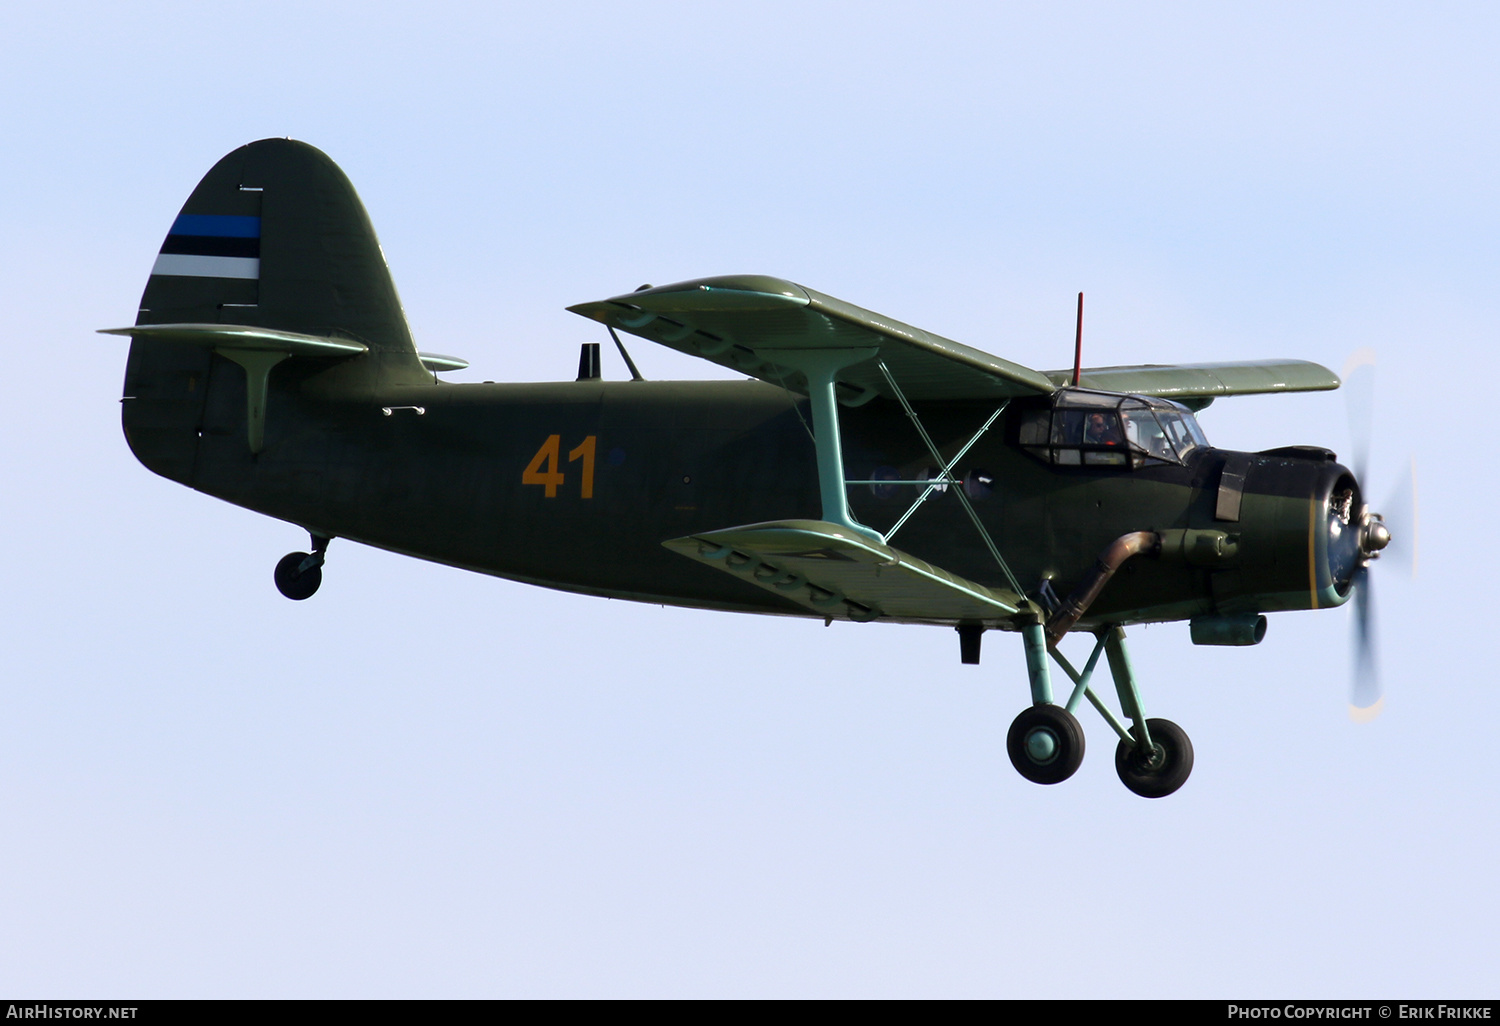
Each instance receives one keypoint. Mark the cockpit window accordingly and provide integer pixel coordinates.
(1145, 432)
(1183, 429)
(1086, 428)
(1102, 429)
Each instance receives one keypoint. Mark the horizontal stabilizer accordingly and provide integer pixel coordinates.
(436, 362)
(837, 573)
(1186, 382)
(270, 340)
(257, 350)
(746, 322)
(242, 337)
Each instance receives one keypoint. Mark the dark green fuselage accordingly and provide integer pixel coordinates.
(677, 458)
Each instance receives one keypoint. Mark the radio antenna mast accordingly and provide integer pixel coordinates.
(1078, 344)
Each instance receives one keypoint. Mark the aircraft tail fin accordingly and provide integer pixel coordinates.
(272, 258)
(274, 236)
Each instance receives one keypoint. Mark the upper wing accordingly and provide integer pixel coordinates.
(738, 322)
(1187, 382)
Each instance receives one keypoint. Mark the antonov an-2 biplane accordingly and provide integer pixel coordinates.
(866, 470)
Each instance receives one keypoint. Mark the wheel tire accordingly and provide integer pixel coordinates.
(1167, 772)
(293, 585)
(1065, 734)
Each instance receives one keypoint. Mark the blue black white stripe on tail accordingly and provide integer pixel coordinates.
(211, 246)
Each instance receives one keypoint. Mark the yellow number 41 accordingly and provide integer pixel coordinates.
(551, 477)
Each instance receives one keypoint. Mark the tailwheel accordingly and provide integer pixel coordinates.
(295, 579)
(1161, 771)
(1045, 744)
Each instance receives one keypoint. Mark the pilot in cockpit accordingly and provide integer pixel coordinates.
(1102, 430)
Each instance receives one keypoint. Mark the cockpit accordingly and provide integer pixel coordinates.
(1086, 428)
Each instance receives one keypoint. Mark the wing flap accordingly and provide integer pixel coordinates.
(834, 572)
(740, 321)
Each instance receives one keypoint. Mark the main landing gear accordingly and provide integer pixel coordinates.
(299, 573)
(1161, 771)
(1045, 743)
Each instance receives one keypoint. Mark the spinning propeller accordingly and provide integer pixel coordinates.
(1392, 534)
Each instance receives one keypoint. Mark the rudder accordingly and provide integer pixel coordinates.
(274, 237)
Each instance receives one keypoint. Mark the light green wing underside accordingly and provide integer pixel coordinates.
(741, 321)
(835, 572)
(738, 322)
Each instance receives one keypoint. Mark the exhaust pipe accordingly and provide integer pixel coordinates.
(1110, 560)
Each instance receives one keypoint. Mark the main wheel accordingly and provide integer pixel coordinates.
(1045, 744)
(1165, 769)
(294, 585)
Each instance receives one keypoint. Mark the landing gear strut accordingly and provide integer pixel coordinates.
(1045, 743)
(298, 574)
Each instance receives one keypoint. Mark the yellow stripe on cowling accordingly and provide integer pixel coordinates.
(1312, 551)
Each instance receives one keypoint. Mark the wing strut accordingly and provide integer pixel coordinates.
(838, 568)
(635, 375)
(821, 366)
(946, 477)
(958, 489)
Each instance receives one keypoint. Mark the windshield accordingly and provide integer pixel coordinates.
(1145, 432)
(1183, 428)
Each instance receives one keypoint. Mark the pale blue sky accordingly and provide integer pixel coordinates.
(429, 783)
